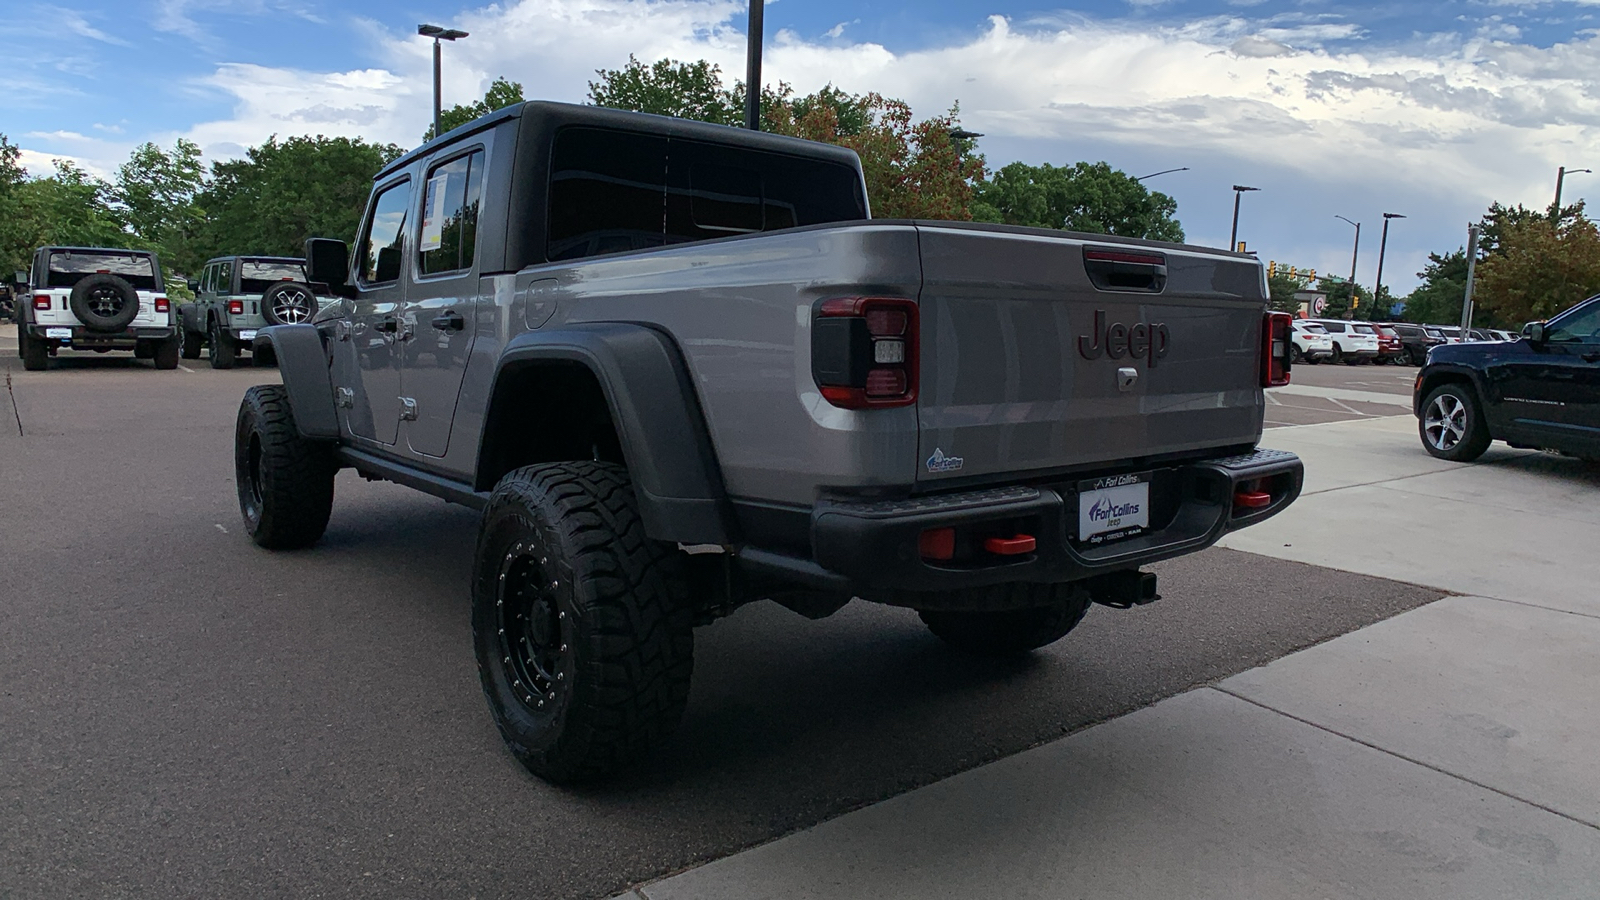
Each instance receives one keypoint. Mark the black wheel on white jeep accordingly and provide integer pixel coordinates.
(285, 481)
(104, 302)
(581, 623)
(219, 347)
(288, 303)
(1052, 611)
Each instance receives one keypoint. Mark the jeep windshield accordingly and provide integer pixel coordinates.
(68, 267)
(256, 275)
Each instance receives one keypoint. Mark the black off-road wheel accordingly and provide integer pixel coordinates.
(104, 302)
(166, 353)
(1452, 424)
(219, 347)
(35, 353)
(193, 343)
(1054, 610)
(582, 625)
(285, 481)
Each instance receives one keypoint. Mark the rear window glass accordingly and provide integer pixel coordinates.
(1362, 329)
(67, 268)
(1313, 328)
(255, 276)
(612, 191)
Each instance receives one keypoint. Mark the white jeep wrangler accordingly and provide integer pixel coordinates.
(94, 298)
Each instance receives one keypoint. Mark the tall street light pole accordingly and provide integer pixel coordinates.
(752, 67)
(1350, 311)
(1233, 237)
(1162, 172)
(1383, 244)
(1561, 175)
(438, 33)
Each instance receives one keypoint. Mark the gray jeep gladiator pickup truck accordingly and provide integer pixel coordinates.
(679, 368)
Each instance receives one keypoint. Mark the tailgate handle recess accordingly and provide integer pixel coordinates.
(1126, 270)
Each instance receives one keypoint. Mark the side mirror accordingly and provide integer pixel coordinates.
(194, 285)
(21, 276)
(1533, 332)
(328, 261)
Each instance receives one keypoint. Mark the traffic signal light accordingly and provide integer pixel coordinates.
(1272, 269)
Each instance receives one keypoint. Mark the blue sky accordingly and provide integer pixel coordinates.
(1429, 109)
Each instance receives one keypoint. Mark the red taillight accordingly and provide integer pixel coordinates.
(1011, 546)
(1275, 338)
(235, 307)
(1252, 499)
(41, 302)
(162, 304)
(864, 352)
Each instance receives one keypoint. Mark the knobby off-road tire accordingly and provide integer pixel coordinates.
(582, 625)
(104, 302)
(193, 342)
(34, 352)
(1059, 609)
(285, 481)
(219, 347)
(166, 355)
(1452, 426)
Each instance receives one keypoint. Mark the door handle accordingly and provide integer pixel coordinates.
(388, 326)
(450, 321)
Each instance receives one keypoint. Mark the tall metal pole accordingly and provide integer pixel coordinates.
(1233, 236)
(1383, 245)
(1472, 271)
(1561, 175)
(752, 68)
(437, 93)
(1355, 251)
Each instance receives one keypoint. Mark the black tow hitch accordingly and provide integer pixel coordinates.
(1124, 590)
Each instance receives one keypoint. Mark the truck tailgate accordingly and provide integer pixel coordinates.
(1047, 352)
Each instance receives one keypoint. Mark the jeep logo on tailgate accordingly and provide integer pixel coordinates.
(1147, 342)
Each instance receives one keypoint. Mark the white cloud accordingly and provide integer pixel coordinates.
(1446, 123)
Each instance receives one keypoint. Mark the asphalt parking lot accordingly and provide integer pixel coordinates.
(183, 714)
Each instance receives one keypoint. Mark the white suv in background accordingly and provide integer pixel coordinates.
(1312, 344)
(1353, 342)
(95, 298)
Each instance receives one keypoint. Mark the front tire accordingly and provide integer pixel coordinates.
(1452, 424)
(1059, 609)
(285, 481)
(581, 623)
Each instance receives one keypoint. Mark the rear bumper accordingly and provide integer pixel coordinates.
(116, 340)
(860, 547)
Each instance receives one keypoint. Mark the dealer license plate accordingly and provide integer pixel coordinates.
(58, 333)
(1114, 507)
(249, 334)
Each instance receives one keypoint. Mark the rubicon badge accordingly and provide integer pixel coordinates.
(938, 462)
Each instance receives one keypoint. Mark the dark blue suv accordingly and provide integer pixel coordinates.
(1541, 392)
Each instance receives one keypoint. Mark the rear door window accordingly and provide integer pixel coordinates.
(67, 267)
(223, 283)
(449, 234)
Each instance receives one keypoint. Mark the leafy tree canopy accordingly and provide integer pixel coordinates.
(1539, 267)
(281, 193)
(69, 207)
(1090, 197)
(1437, 300)
(501, 93)
(156, 191)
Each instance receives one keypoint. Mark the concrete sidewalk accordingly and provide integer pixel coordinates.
(1447, 752)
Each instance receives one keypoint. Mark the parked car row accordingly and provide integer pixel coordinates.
(1355, 342)
(105, 299)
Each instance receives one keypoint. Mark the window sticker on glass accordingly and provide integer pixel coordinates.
(433, 216)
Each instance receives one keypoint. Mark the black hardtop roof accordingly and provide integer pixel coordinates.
(556, 115)
(120, 250)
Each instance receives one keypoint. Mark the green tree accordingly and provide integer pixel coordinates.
(14, 251)
(281, 193)
(1281, 288)
(669, 88)
(1339, 299)
(1437, 300)
(70, 207)
(1539, 268)
(501, 93)
(156, 191)
(1091, 197)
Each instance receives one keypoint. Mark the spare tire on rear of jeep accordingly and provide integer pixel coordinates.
(288, 303)
(104, 302)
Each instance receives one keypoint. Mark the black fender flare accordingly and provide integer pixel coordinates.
(303, 364)
(657, 415)
(1433, 375)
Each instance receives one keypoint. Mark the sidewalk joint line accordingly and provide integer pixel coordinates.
(1413, 760)
(1570, 612)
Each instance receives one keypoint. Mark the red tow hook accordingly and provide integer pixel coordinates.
(1011, 546)
(1252, 499)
